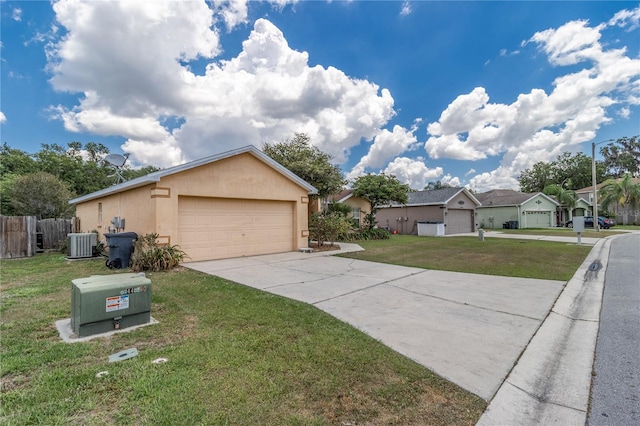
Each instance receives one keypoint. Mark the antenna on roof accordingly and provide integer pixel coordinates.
(117, 162)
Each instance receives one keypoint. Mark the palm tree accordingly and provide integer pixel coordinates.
(566, 197)
(623, 192)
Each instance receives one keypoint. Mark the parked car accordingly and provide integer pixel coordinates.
(603, 222)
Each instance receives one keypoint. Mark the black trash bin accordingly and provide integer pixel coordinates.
(513, 224)
(120, 249)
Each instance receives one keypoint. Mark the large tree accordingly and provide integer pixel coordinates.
(624, 192)
(40, 194)
(81, 167)
(307, 162)
(379, 190)
(15, 162)
(622, 156)
(430, 186)
(570, 171)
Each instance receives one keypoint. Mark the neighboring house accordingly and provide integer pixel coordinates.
(237, 203)
(582, 208)
(454, 207)
(632, 212)
(360, 207)
(507, 208)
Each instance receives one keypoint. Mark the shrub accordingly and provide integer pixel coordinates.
(148, 255)
(367, 234)
(327, 227)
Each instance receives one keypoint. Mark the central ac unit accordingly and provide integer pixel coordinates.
(81, 245)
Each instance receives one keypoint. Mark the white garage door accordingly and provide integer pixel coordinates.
(459, 221)
(537, 219)
(218, 228)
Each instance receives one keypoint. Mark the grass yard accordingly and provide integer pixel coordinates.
(493, 256)
(236, 356)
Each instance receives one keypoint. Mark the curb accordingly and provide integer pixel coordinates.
(551, 382)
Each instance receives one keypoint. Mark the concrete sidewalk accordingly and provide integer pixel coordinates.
(558, 238)
(551, 382)
(468, 328)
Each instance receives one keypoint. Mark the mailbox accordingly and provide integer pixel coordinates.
(102, 303)
(578, 224)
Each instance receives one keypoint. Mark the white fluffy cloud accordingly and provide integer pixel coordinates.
(538, 126)
(386, 145)
(138, 79)
(130, 63)
(413, 172)
(16, 14)
(3, 118)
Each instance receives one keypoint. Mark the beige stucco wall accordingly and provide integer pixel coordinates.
(154, 208)
(242, 176)
(360, 203)
(455, 202)
(135, 206)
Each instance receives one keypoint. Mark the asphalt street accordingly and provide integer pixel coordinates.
(615, 394)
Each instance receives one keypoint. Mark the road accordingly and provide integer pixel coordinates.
(615, 391)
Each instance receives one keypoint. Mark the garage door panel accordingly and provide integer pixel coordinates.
(538, 219)
(215, 228)
(459, 221)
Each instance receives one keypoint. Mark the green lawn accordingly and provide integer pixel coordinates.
(236, 356)
(493, 256)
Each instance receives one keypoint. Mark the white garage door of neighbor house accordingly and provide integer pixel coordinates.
(459, 221)
(536, 219)
(219, 228)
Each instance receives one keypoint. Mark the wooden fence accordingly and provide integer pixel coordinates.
(18, 236)
(54, 232)
(23, 236)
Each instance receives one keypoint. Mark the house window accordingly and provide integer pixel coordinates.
(355, 213)
(100, 213)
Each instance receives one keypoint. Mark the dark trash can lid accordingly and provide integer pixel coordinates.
(130, 235)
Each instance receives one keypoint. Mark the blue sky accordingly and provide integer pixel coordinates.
(468, 93)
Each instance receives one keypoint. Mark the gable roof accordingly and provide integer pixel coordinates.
(598, 186)
(508, 197)
(434, 197)
(341, 196)
(156, 176)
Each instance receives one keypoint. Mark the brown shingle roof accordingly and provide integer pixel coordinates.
(503, 197)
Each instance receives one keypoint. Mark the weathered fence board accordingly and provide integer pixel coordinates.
(18, 236)
(54, 232)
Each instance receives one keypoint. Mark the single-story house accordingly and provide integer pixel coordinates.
(453, 207)
(582, 208)
(507, 208)
(237, 203)
(360, 207)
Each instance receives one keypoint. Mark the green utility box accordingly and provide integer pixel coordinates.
(102, 303)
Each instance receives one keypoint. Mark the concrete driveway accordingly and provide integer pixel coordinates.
(468, 328)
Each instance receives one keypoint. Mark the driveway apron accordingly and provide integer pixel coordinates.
(468, 328)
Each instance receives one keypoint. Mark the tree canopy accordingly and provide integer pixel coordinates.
(40, 194)
(379, 190)
(570, 171)
(573, 171)
(307, 162)
(430, 186)
(622, 157)
(79, 167)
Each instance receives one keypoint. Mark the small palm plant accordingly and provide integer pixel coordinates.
(148, 255)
